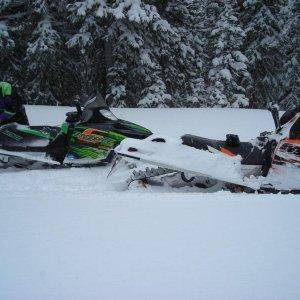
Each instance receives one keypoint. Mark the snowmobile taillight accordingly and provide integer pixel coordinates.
(159, 140)
(131, 149)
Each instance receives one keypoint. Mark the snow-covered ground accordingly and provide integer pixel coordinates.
(73, 234)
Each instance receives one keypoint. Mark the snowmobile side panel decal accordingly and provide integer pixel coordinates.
(92, 131)
(89, 152)
(88, 138)
(107, 143)
(12, 135)
(35, 133)
(96, 138)
(116, 136)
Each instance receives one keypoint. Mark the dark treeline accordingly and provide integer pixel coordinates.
(176, 53)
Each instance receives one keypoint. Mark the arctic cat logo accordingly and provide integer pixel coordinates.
(13, 135)
(88, 138)
(96, 138)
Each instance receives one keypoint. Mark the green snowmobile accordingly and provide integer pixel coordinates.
(86, 138)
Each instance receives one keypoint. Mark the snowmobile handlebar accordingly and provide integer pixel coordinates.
(78, 108)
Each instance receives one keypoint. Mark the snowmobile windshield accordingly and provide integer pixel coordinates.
(96, 111)
(108, 114)
(91, 107)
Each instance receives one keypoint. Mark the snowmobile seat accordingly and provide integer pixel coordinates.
(252, 155)
(15, 137)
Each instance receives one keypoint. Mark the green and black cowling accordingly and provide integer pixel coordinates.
(86, 137)
(97, 140)
(96, 133)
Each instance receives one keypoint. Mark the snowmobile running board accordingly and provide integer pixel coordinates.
(155, 172)
(149, 173)
(10, 159)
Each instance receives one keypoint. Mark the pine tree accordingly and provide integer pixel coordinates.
(152, 53)
(228, 74)
(262, 47)
(7, 45)
(290, 73)
(185, 17)
(12, 40)
(48, 70)
(6, 41)
(42, 56)
(130, 35)
(88, 43)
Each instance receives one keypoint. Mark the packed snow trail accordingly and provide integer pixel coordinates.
(74, 234)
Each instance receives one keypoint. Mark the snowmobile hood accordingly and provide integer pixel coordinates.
(131, 130)
(96, 111)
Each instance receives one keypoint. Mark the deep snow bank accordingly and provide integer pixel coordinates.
(213, 123)
(109, 245)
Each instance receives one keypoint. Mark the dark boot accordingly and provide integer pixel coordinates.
(58, 148)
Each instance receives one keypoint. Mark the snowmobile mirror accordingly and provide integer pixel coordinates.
(78, 108)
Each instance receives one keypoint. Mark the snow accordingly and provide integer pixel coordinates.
(73, 234)
(5, 40)
(3, 30)
(47, 38)
(240, 56)
(225, 73)
(213, 123)
(83, 38)
(241, 99)
(173, 155)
